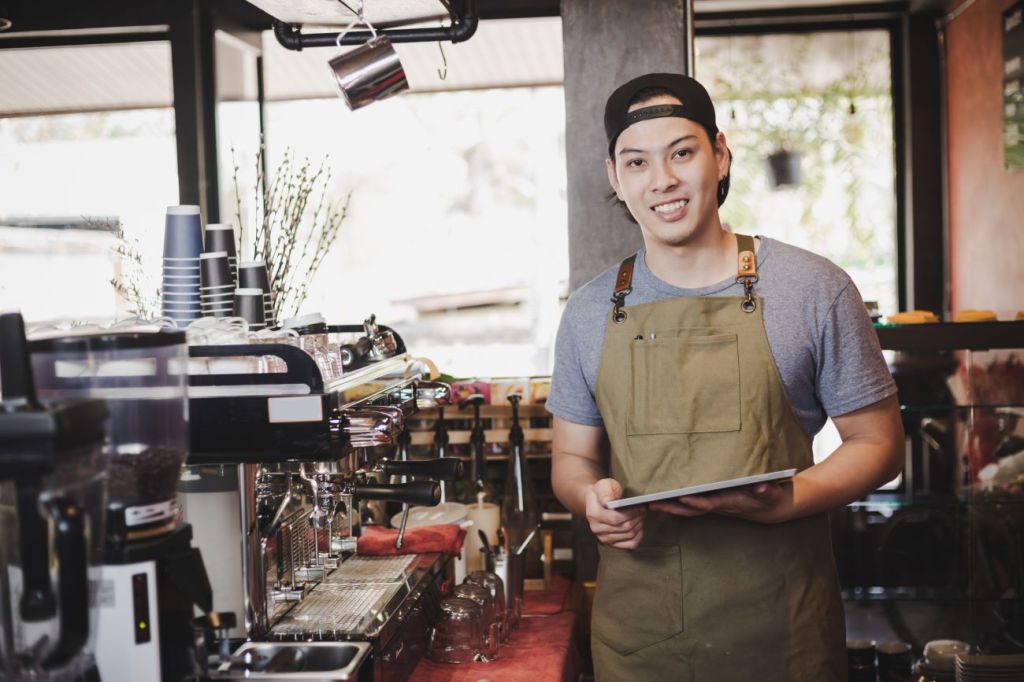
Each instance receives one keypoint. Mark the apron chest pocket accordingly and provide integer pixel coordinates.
(685, 381)
(639, 600)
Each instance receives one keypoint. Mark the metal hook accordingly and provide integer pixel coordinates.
(444, 60)
(360, 19)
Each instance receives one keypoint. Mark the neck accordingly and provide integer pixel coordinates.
(704, 261)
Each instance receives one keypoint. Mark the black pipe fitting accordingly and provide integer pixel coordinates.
(461, 30)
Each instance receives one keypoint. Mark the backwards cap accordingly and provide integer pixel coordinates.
(695, 105)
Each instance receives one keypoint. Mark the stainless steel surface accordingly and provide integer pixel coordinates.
(321, 661)
(367, 74)
(431, 394)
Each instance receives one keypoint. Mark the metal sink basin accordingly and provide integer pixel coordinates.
(319, 661)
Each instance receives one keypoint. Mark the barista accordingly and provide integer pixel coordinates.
(718, 356)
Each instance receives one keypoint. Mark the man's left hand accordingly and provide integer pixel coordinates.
(754, 503)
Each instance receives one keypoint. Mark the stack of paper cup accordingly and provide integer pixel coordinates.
(221, 237)
(216, 289)
(183, 242)
(248, 304)
(253, 275)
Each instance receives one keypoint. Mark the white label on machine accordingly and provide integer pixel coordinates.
(151, 513)
(290, 410)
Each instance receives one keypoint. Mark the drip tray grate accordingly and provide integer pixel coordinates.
(370, 569)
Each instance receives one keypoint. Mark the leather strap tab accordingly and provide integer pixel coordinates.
(624, 280)
(746, 260)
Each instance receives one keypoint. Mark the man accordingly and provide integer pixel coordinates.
(718, 356)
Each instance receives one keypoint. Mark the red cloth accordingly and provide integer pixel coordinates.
(441, 537)
(541, 649)
(547, 602)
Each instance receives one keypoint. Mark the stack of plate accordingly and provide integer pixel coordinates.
(183, 242)
(989, 668)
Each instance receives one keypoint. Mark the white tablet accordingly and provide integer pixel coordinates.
(704, 488)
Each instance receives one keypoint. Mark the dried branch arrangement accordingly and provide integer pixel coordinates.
(128, 278)
(295, 225)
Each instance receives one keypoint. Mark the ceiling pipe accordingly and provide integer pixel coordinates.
(462, 29)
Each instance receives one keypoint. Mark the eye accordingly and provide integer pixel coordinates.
(635, 163)
(682, 153)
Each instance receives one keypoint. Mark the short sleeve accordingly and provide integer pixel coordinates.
(851, 369)
(571, 397)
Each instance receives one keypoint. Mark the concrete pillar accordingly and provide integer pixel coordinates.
(607, 42)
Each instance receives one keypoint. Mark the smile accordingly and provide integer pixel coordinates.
(671, 206)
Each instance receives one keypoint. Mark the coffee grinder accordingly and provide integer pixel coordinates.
(151, 576)
(52, 489)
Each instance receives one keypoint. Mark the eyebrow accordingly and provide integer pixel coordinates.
(671, 144)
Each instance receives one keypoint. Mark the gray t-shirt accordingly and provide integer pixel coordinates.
(818, 330)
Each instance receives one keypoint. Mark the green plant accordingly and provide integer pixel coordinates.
(128, 278)
(295, 225)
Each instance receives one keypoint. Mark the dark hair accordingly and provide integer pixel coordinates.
(646, 95)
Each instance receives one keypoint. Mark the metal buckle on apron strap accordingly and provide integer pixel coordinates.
(746, 271)
(619, 299)
(749, 303)
(623, 288)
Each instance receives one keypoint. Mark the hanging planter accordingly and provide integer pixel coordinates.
(783, 166)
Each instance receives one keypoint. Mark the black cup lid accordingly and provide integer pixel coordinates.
(107, 340)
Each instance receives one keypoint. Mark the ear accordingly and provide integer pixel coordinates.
(613, 178)
(721, 154)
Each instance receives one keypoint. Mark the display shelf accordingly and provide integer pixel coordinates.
(951, 336)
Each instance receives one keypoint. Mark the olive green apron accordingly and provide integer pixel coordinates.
(690, 394)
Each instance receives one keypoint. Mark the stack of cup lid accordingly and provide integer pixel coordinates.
(183, 243)
(248, 304)
(216, 287)
(253, 275)
(221, 237)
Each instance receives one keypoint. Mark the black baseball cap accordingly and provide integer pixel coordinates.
(695, 104)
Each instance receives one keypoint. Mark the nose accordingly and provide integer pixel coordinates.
(663, 178)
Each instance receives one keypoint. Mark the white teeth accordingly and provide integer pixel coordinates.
(674, 206)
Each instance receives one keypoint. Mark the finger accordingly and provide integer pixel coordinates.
(612, 538)
(677, 509)
(597, 510)
(631, 525)
(628, 544)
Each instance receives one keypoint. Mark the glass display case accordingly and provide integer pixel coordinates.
(940, 555)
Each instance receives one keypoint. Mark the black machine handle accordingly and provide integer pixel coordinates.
(16, 384)
(424, 493)
(72, 559)
(440, 467)
(37, 600)
(516, 436)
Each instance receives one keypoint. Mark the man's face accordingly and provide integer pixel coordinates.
(666, 171)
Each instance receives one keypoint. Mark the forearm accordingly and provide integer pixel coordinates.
(854, 469)
(571, 476)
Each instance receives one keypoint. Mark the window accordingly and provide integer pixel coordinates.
(83, 149)
(825, 99)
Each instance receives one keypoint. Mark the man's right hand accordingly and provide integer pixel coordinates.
(622, 529)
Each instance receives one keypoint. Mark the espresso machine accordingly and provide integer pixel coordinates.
(52, 490)
(284, 470)
(151, 577)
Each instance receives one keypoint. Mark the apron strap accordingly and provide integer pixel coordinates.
(746, 270)
(623, 288)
